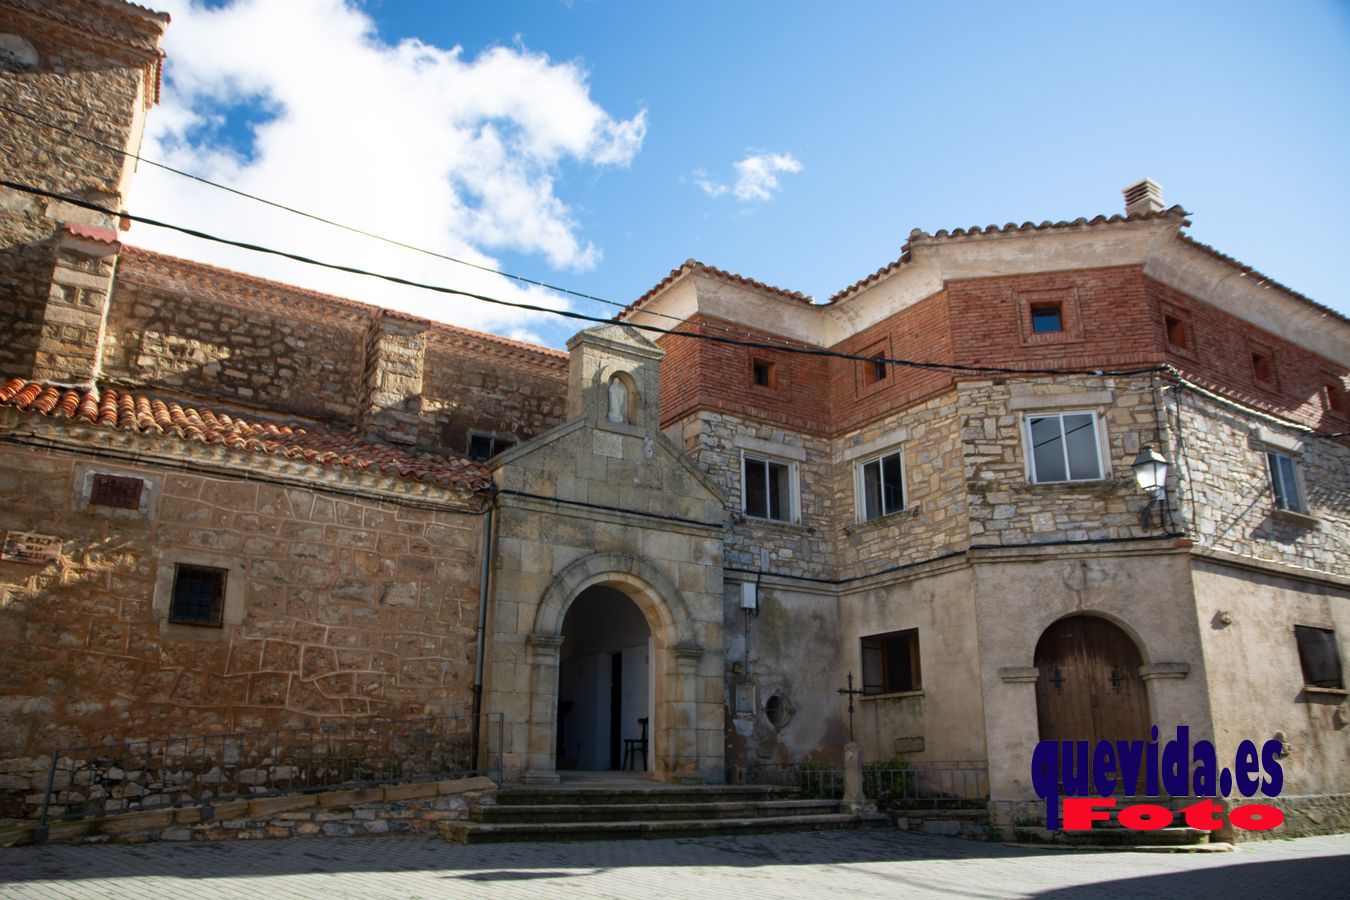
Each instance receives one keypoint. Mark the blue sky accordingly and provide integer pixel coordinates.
(874, 118)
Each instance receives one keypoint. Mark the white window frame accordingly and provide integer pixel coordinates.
(1098, 441)
(860, 491)
(794, 498)
(1278, 483)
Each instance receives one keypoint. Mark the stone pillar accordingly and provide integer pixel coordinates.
(855, 798)
(541, 738)
(395, 356)
(683, 734)
(70, 338)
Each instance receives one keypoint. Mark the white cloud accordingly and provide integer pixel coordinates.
(407, 140)
(756, 177)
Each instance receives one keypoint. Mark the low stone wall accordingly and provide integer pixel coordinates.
(392, 809)
(1304, 816)
(966, 823)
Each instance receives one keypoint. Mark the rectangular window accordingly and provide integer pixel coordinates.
(198, 595)
(1284, 482)
(1319, 656)
(764, 373)
(767, 489)
(484, 446)
(1263, 366)
(116, 491)
(1336, 398)
(874, 370)
(1046, 318)
(1178, 332)
(881, 486)
(890, 662)
(1064, 447)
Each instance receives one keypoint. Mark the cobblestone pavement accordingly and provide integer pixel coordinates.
(880, 863)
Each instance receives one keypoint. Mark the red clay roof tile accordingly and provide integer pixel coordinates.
(134, 412)
(693, 265)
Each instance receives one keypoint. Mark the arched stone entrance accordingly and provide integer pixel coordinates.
(604, 684)
(675, 656)
(1088, 685)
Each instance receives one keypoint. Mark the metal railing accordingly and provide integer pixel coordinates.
(951, 785)
(117, 777)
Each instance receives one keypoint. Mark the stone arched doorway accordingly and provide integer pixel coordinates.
(673, 665)
(1088, 686)
(604, 684)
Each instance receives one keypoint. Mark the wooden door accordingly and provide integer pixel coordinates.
(1088, 688)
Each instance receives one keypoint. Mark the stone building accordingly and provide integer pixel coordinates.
(233, 504)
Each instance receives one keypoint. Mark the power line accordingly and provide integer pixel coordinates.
(567, 313)
(47, 123)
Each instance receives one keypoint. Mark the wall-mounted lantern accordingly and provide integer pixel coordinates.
(1150, 472)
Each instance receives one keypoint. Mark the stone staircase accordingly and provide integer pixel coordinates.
(615, 812)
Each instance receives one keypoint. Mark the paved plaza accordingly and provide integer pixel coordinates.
(880, 863)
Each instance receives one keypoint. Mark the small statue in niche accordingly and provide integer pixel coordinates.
(618, 400)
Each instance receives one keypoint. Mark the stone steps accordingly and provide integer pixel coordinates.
(637, 812)
(490, 832)
(584, 813)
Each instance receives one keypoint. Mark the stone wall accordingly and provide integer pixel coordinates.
(184, 327)
(337, 606)
(1006, 507)
(1224, 485)
(487, 386)
(415, 807)
(92, 73)
(934, 520)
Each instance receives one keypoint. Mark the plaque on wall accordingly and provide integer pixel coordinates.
(24, 546)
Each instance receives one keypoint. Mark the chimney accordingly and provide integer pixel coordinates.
(1143, 197)
(395, 355)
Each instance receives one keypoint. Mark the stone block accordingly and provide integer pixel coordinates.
(396, 792)
(330, 799)
(269, 806)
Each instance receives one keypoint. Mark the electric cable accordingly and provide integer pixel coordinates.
(573, 314)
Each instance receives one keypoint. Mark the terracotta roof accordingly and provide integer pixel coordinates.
(919, 236)
(693, 265)
(134, 412)
(91, 232)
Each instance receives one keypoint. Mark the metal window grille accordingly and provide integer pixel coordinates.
(198, 595)
(117, 491)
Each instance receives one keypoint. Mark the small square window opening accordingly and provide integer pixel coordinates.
(1047, 318)
(1263, 366)
(483, 446)
(1336, 398)
(198, 596)
(1319, 656)
(116, 491)
(1178, 332)
(874, 370)
(890, 662)
(764, 373)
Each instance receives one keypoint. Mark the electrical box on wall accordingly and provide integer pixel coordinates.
(749, 596)
(745, 699)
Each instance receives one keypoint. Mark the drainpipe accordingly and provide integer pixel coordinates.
(483, 576)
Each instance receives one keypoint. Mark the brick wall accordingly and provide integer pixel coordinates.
(705, 374)
(1220, 355)
(351, 607)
